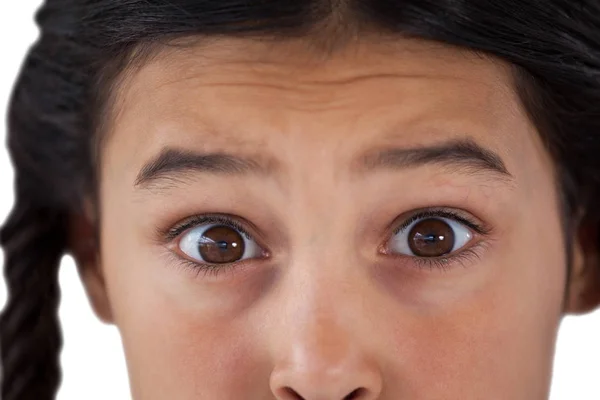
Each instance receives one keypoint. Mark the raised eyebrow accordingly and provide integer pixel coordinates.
(172, 162)
(459, 153)
(465, 154)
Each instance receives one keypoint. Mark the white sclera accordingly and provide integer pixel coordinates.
(191, 240)
(462, 236)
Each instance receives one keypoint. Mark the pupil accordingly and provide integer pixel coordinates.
(221, 245)
(431, 238)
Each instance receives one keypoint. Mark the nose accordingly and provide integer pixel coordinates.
(325, 363)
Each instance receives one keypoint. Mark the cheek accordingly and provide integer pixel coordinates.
(536, 264)
(499, 340)
(172, 354)
(177, 343)
(500, 337)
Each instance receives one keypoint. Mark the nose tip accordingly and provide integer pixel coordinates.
(318, 378)
(297, 388)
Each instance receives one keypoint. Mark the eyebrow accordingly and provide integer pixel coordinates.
(460, 153)
(173, 163)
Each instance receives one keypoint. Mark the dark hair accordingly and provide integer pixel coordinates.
(62, 95)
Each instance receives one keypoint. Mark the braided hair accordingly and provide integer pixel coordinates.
(61, 102)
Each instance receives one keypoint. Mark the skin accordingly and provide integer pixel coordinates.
(327, 311)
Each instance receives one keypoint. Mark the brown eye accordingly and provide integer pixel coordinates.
(218, 244)
(431, 237)
(221, 244)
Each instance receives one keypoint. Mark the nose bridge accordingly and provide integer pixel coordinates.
(317, 175)
(321, 343)
(323, 351)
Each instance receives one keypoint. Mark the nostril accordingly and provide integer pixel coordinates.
(356, 394)
(292, 394)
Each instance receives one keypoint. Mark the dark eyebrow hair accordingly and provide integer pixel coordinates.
(462, 153)
(171, 162)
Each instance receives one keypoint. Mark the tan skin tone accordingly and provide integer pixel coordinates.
(325, 302)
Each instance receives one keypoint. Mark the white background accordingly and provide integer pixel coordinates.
(92, 359)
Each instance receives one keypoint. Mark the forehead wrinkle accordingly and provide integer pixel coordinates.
(224, 135)
(252, 56)
(283, 80)
(189, 53)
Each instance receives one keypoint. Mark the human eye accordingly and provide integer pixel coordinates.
(436, 237)
(214, 243)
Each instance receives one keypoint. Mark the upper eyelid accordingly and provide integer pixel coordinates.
(472, 223)
(197, 220)
(247, 228)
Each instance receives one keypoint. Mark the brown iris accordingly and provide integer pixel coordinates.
(431, 238)
(221, 245)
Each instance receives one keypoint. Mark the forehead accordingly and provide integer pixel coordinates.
(263, 95)
(294, 72)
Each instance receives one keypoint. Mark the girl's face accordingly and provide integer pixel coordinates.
(381, 223)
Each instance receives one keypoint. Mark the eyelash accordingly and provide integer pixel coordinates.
(192, 222)
(203, 219)
(461, 257)
(443, 213)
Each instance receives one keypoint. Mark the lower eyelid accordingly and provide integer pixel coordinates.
(200, 270)
(462, 258)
